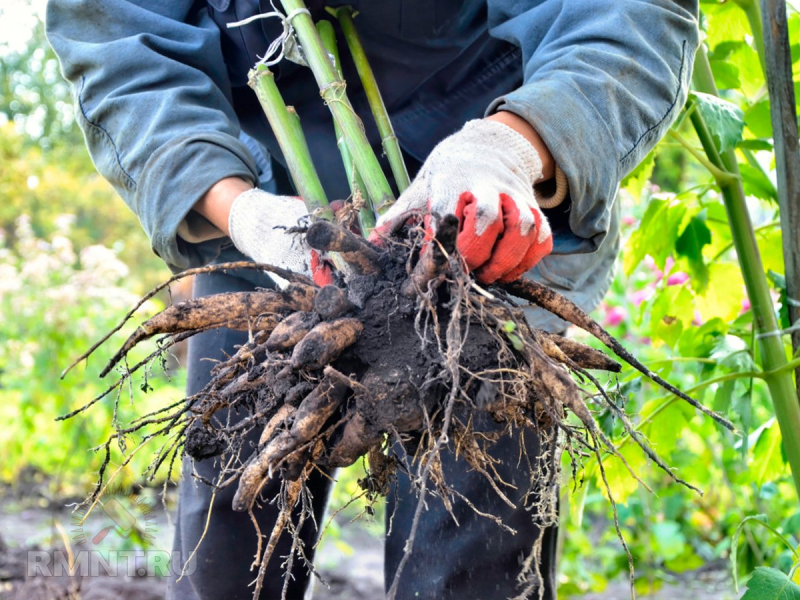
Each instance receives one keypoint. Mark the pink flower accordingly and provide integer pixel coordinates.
(677, 278)
(640, 296)
(698, 319)
(745, 306)
(629, 220)
(614, 316)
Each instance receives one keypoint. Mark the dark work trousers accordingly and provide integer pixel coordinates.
(475, 559)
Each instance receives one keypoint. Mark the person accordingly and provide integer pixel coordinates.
(490, 99)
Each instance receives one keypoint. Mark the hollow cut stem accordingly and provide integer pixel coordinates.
(332, 90)
(289, 133)
(366, 216)
(389, 141)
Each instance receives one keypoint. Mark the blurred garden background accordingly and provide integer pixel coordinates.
(73, 260)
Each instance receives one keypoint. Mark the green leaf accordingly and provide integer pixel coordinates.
(656, 234)
(726, 22)
(756, 145)
(620, 481)
(770, 245)
(669, 540)
(756, 183)
(726, 75)
(724, 119)
(690, 245)
(635, 181)
(758, 119)
(778, 282)
(723, 297)
(701, 341)
(767, 583)
(664, 432)
(745, 58)
(733, 354)
(672, 311)
(767, 464)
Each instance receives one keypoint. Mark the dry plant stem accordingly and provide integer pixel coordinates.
(389, 141)
(366, 216)
(220, 268)
(332, 90)
(293, 143)
(566, 309)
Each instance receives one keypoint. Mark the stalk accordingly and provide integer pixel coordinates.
(779, 379)
(787, 157)
(289, 133)
(389, 142)
(332, 90)
(366, 216)
(752, 10)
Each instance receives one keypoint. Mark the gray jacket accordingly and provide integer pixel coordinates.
(161, 96)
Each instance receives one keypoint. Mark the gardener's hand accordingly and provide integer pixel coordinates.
(257, 225)
(484, 174)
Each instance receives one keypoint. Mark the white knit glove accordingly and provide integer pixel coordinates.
(258, 222)
(484, 174)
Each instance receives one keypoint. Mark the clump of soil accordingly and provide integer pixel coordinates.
(404, 346)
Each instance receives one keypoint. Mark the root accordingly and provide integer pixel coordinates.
(408, 351)
(563, 307)
(357, 252)
(220, 268)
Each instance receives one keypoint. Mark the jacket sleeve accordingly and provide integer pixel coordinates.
(603, 82)
(153, 101)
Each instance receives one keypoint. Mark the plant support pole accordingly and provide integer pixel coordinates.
(289, 133)
(779, 381)
(389, 141)
(332, 90)
(787, 150)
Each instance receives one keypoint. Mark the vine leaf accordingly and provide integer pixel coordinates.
(690, 245)
(724, 119)
(656, 234)
(770, 584)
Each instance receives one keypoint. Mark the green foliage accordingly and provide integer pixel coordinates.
(725, 119)
(684, 310)
(770, 584)
(54, 303)
(678, 303)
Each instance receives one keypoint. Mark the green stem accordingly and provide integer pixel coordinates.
(752, 9)
(332, 90)
(389, 141)
(366, 216)
(718, 173)
(779, 380)
(759, 229)
(735, 544)
(293, 143)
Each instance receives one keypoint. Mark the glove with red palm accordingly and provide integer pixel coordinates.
(484, 174)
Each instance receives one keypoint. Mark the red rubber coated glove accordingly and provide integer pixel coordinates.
(484, 174)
